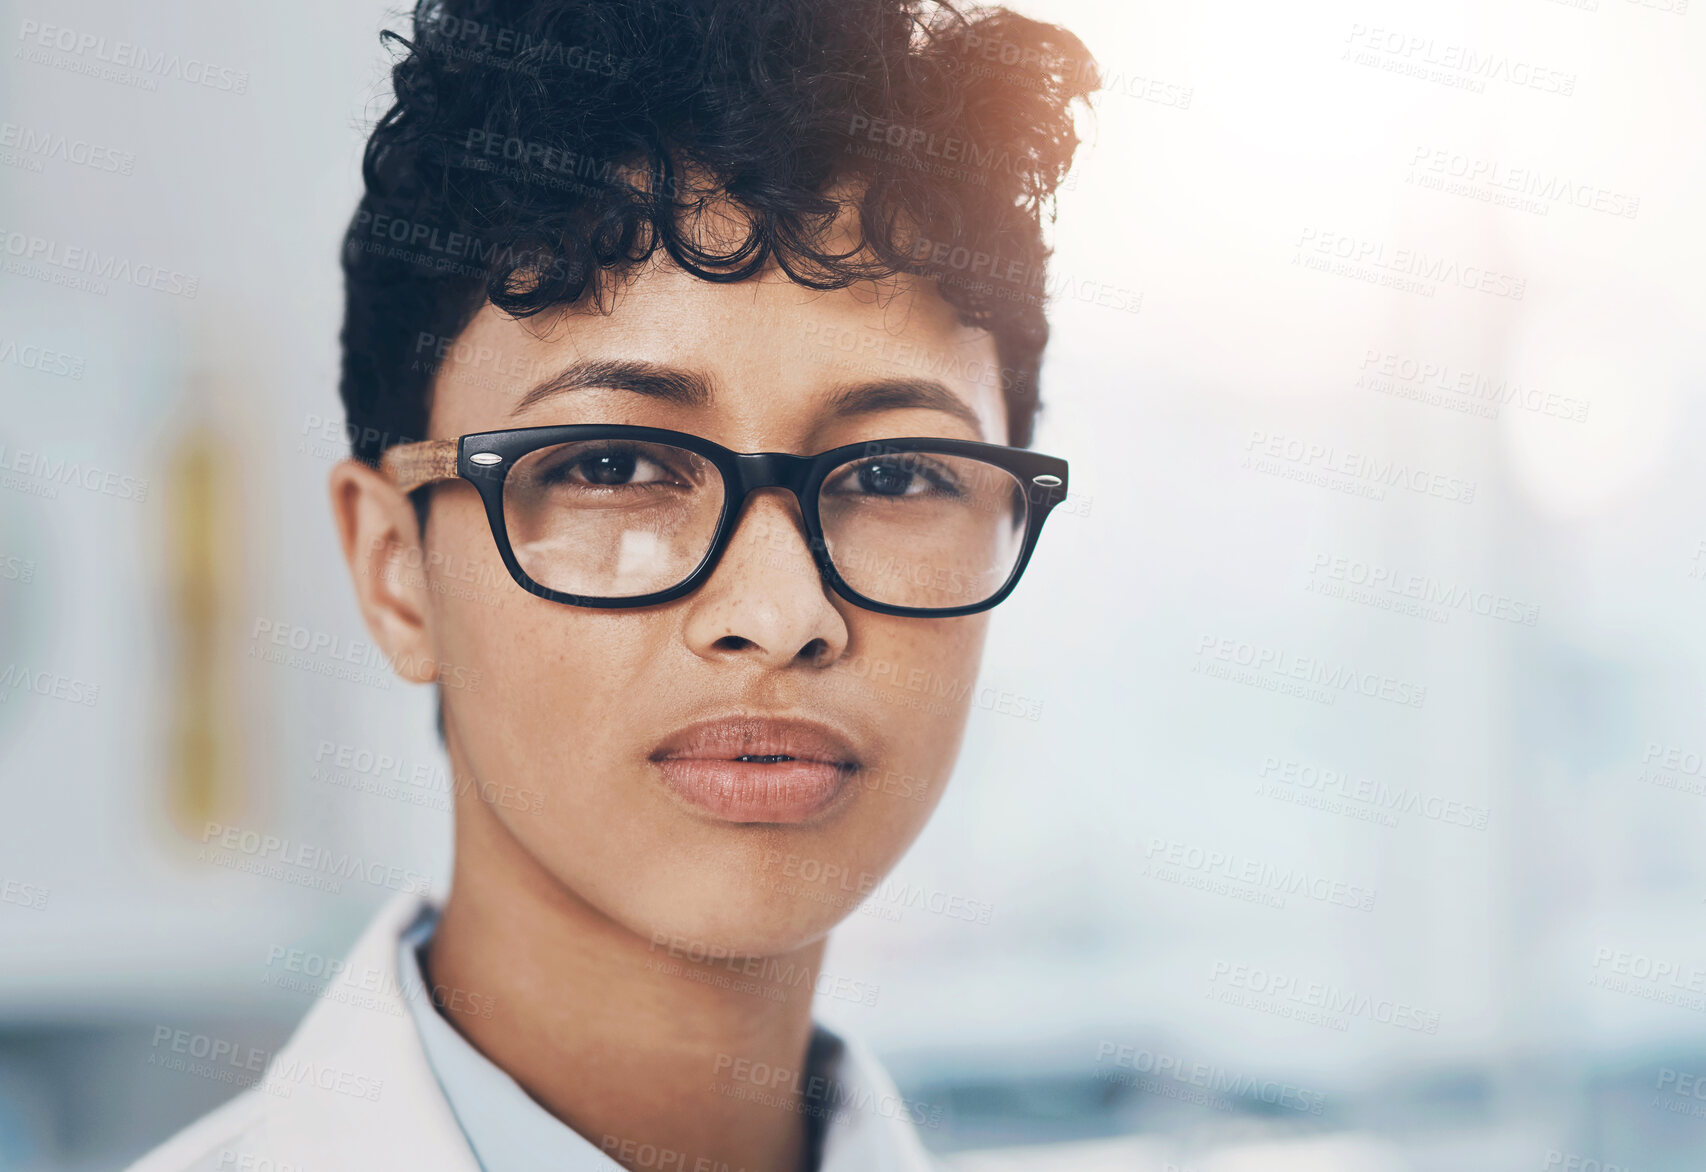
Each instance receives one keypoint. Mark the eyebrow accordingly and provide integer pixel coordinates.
(688, 388)
(894, 394)
(669, 383)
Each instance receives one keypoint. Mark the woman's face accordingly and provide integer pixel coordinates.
(644, 810)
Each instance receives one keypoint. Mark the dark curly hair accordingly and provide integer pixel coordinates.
(537, 147)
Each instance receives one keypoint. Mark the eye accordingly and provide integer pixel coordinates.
(884, 478)
(902, 475)
(608, 468)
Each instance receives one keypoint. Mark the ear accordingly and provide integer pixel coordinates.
(376, 526)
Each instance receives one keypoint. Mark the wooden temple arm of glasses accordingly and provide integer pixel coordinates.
(409, 466)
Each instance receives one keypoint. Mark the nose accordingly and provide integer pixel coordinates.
(766, 602)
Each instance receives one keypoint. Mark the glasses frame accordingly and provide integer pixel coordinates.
(485, 458)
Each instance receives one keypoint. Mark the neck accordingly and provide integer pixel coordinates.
(627, 1042)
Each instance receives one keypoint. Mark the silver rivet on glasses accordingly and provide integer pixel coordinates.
(1046, 480)
(489, 458)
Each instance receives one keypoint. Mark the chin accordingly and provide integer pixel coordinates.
(731, 913)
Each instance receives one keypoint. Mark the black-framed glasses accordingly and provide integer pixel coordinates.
(608, 515)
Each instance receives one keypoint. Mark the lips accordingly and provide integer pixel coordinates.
(753, 769)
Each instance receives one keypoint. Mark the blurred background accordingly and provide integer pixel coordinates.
(1362, 672)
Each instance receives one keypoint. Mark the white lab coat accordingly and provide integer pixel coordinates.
(352, 1091)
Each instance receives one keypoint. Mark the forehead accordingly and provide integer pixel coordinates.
(776, 354)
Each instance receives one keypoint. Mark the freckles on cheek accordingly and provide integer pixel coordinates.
(557, 668)
(481, 634)
(947, 649)
(917, 677)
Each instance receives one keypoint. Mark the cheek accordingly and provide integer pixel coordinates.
(547, 679)
(921, 674)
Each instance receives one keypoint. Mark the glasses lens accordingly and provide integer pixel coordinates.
(611, 518)
(923, 529)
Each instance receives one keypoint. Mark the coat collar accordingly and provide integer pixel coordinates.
(361, 1092)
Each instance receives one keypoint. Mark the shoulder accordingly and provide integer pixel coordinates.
(319, 1103)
